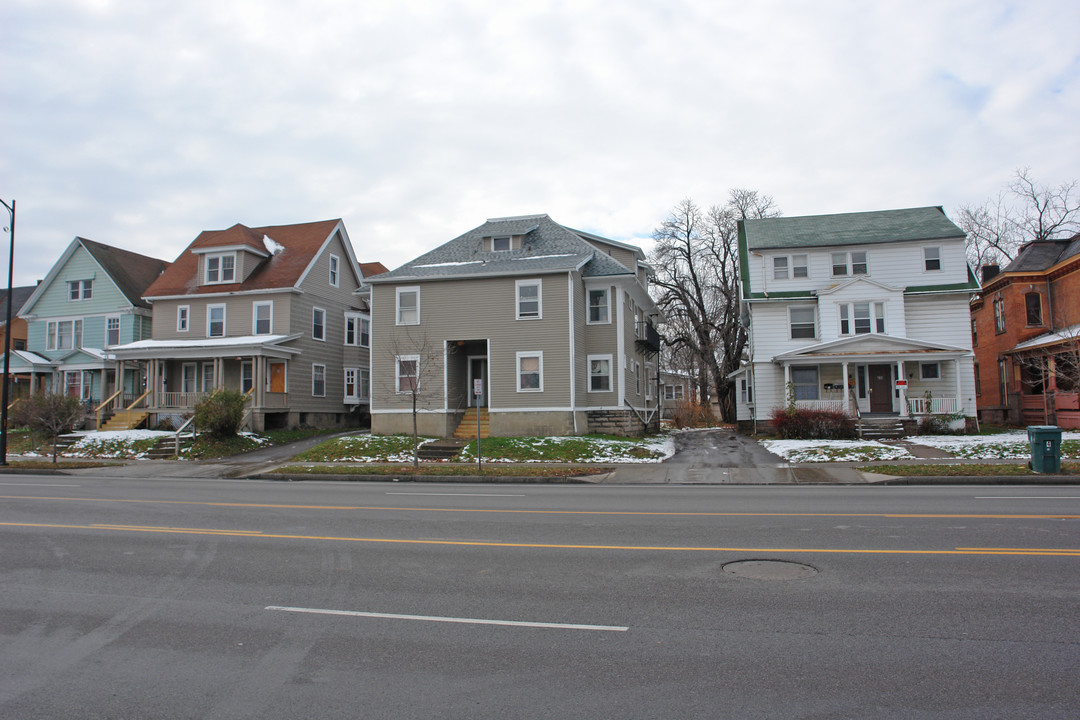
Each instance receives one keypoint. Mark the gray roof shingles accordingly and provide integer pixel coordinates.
(546, 247)
(1043, 254)
(862, 228)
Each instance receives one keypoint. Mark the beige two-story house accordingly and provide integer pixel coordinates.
(274, 312)
(545, 330)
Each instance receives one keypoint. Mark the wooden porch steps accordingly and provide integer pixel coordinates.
(466, 429)
(125, 420)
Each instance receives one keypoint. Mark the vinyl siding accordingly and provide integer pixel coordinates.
(480, 309)
(239, 315)
(54, 301)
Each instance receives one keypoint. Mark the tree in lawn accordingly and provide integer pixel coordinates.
(51, 415)
(417, 362)
(696, 258)
(1024, 211)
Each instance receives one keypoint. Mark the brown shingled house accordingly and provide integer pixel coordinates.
(276, 312)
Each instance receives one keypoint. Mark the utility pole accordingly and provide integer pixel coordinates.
(7, 339)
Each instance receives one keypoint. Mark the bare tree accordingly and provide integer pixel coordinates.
(52, 415)
(697, 276)
(417, 362)
(1023, 212)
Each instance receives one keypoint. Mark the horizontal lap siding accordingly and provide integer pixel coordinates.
(239, 315)
(54, 301)
(480, 309)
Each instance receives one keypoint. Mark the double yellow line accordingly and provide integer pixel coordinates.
(1045, 552)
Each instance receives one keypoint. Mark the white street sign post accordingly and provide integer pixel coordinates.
(478, 391)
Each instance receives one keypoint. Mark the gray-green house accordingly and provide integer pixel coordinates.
(90, 301)
(544, 329)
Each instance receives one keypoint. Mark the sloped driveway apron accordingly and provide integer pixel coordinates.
(720, 457)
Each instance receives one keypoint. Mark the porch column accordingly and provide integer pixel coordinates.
(959, 386)
(900, 375)
(787, 383)
(847, 395)
(218, 379)
(258, 379)
(152, 383)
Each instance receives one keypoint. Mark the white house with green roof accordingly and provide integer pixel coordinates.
(866, 313)
(536, 328)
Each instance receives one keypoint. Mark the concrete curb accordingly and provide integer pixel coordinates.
(488, 479)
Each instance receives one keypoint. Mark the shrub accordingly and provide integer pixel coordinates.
(938, 425)
(52, 415)
(800, 424)
(220, 415)
(690, 414)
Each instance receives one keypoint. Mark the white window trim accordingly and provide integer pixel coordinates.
(802, 307)
(360, 332)
(352, 318)
(397, 313)
(849, 263)
(194, 377)
(323, 367)
(255, 316)
(588, 306)
(220, 280)
(610, 375)
(937, 364)
(398, 375)
(539, 354)
(365, 384)
(874, 306)
(539, 285)
(247, 364)
(119, 329)
(183, 318)
(926, 259)
(315, 310)
(356, 383)
(334, 275)
(509, 243)
(83, 286)
(224, 319)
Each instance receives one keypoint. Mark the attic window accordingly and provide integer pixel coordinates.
(500, 244)
(221, 268)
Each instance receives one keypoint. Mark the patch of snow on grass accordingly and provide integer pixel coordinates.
(807, 451)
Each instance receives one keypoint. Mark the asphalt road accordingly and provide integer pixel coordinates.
(165, 598)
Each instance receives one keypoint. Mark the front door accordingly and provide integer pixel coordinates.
(478, 371)
(277, 377)
(881, 390)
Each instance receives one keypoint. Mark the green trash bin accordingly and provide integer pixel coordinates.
(1045, 441)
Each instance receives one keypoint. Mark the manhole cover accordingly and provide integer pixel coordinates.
(769, 570)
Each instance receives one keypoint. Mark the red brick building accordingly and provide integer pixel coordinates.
(1025, 331)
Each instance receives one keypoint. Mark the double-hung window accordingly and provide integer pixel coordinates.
(318, 324)
(804, 380)
(183, 312)
(335, 264)
(408, 373)
(999, 314)
(247, 376)
(803, 322)
(599, 373)
(112, 331)
(1033, 308)
(215, 321)
(931, 258)
(262, 317)
(930, 371)
(862, 318)
(408, 306)
(849, 263)
(530, 371)
(599, 307)
(63, 335)
(80, 289)
(529, 300)
(318, 380)
(357, 330)
(221, 268)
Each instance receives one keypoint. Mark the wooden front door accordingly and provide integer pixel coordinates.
(277, 377)
(881, 390)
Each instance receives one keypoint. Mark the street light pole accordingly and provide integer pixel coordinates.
(7, 339)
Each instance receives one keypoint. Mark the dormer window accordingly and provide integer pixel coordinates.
(500, 244)
(221, 268)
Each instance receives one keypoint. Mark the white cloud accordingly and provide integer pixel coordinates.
(140, 124)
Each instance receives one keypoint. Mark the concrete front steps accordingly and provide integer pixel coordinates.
(466, 429)
(881, 427)
(445, 449)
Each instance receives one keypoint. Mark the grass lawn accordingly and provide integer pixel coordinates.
(364, 448)
(962, 469)
(441, 469)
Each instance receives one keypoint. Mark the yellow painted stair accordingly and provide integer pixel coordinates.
(125, 420)
(466, 429)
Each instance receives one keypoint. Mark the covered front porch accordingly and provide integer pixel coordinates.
(877, 375)
(181, 374)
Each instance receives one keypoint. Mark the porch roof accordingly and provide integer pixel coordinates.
(267, 345)
(871, 347)
(1069, 334)
(26, 361)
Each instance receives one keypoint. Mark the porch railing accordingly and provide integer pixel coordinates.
(182, 399)
(837, 405)
(933, 406)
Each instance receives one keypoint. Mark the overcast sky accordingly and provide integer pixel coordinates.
(140, 123)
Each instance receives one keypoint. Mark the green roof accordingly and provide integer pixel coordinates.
(864, 228)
